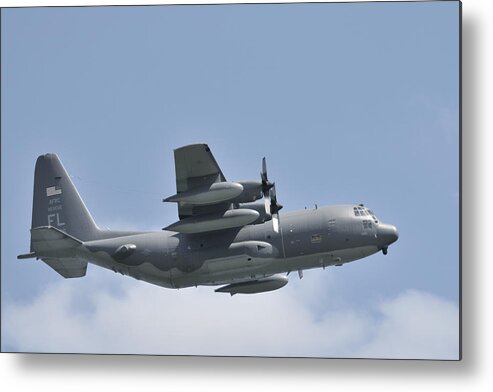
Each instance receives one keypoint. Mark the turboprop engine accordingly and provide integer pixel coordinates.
(236, 192)
(264, 216)
(237, 210)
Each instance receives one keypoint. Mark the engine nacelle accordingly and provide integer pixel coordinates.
(216, 193)
(212, 222)
(260, 208)
(252, 190)
(236, 192)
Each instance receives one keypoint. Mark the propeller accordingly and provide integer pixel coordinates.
(272, 207)
(266, 186)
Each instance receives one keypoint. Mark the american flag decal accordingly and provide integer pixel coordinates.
(53, 190)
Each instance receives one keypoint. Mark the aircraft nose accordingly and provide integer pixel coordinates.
(387, 234)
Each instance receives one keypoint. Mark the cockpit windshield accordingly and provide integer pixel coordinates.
(363, 211)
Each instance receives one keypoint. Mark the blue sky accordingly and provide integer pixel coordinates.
(350, 103)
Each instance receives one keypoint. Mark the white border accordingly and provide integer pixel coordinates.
(133, 373)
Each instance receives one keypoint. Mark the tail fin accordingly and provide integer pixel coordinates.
(57, 203)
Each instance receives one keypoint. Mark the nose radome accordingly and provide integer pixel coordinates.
(387, 234)
(395, 233)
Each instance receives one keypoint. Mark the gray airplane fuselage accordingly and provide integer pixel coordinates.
(310, 238)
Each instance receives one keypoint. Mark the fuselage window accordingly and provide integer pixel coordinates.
(366, 224)
(331, 226)
(373, 216)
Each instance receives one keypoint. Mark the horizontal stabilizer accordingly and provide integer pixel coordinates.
(68, 267)
(31, 255)
(58, 250)
(51, 242)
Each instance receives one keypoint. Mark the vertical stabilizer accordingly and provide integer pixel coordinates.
(57, 203)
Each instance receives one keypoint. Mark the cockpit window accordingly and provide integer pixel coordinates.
(359, 211)
(363, 211)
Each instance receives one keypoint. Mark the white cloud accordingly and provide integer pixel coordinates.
(415, 325)
(141, 318)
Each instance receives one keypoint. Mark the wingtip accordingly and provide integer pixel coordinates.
(48, 156)
(199, 145)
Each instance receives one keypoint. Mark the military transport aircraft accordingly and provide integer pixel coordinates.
(222, 236)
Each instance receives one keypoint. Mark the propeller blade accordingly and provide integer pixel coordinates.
(267, 204)
(274, 205)
(275, 223)
(266, 185)
(263, 175)
(273, 197)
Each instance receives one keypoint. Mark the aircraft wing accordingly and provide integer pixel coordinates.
(207, 202)
(196, 169)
